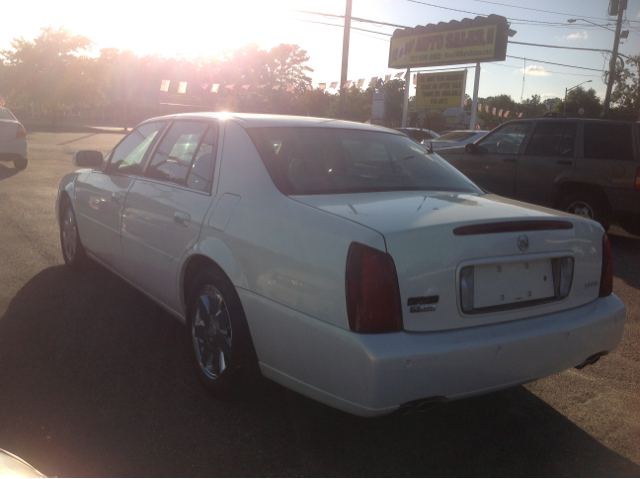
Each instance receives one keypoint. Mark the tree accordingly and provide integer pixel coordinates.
(581, 98)
(489, 121)
(625, 96)
(52, 71)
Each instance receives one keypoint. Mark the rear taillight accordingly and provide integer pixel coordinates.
(373, 295)
(638, 178)
(606, 277)
(22, 133)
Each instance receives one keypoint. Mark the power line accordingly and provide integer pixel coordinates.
(538, 10)
(352, 18)
(341, 26)
(558, 64)
(533, 22)
(556, 46)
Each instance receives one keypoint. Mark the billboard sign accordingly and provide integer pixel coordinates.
(441, 89)
(469, 41)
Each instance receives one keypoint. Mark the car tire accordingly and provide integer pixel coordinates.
(631, 225)
(73, 251)
(588, 204)
(20, 163)
(220, 345)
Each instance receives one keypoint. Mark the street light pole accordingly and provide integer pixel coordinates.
(342, 107)
(567, 90)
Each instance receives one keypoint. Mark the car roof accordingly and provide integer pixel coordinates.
(572, 118)
(254, 120)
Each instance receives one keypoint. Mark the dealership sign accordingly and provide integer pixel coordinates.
(483, 39)
(441, 89)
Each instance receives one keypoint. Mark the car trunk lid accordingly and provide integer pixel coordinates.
(433, 237)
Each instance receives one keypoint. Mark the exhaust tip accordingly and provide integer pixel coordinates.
(421, 406)
(594, 358)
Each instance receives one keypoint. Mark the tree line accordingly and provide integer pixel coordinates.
(55, 73)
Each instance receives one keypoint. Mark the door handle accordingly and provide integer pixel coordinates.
(182, 219)
(564, 162)
(510, 160)
(116, 197)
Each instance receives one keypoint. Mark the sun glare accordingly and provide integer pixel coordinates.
(199, 28)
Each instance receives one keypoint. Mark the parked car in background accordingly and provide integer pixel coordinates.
(13, 140)
(418, 134)
(586, 167)
(343, 259)
(455, 138)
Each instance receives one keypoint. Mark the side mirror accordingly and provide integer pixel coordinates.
(87, 158)
(471, 148)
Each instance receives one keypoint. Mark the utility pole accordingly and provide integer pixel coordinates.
(621, 5)
(345, 60)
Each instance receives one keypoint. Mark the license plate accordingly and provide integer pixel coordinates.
(506, 283)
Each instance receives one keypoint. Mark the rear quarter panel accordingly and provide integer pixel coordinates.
(274, 246)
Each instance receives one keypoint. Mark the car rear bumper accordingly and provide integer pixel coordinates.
(371, 375)
(9, 149)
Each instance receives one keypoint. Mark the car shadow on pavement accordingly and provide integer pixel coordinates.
(6, 172)
(626, 258)
(95, 381)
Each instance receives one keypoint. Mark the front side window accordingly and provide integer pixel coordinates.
(127, 156)
(551, 138)
(173, 158)
(507, 140)
(607, 141)
(309, 160)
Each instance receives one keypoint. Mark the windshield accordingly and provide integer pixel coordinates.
(307, 161)
(456, 136)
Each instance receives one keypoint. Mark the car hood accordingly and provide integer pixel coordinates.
(392, 212)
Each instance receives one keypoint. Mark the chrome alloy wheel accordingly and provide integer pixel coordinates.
(580, 208)
(211, 333)
(69, 234)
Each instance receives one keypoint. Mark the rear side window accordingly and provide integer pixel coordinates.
(607, 141)
(6, 114)
(552, 138)
(201, 172)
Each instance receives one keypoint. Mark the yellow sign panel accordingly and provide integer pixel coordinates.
(469, 45)
(441, 89)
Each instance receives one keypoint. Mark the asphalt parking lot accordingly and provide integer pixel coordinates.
(95, 381)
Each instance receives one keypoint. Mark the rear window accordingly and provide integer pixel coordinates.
(306, 161)
(608, 141)
(6, 114)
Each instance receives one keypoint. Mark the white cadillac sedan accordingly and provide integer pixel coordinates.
(342, 258)
(13, 140)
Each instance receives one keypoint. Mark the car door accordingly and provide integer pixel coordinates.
(493, 166)
(165, 207)
(100, 199)
(548, 160)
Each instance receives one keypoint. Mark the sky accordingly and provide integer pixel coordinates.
(211, 27)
